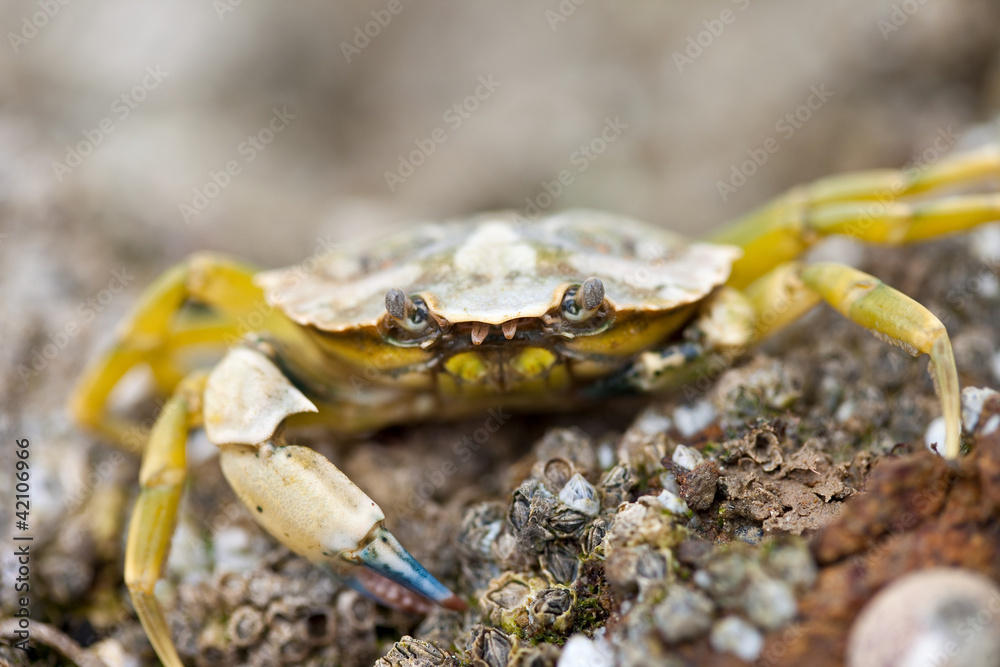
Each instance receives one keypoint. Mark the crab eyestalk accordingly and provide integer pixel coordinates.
(409, 313)
(580, 303)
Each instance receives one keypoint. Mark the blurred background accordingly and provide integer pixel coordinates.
(142, 103)
(132, 134)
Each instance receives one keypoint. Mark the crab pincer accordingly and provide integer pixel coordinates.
(312, 507)
(299, 496)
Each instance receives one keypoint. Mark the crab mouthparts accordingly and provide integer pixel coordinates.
(480, 330)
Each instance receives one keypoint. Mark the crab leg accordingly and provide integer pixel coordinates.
(869, 206)
(787, 292)
(733, 319)
(718, 335)
(155, 332)
(162, 478)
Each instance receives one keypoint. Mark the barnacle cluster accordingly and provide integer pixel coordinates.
(602, 547)
(286, 614)
(732, 597)
(597, 543)
(534, 565)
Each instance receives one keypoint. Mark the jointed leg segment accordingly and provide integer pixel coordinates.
(872, 206)
(156, 333)
(881, 206)
(162, 482)
(782, 295)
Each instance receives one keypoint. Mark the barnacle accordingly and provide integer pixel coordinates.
(489, 647)
(410, 652)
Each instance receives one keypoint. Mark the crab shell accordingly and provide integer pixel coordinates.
(497, 270)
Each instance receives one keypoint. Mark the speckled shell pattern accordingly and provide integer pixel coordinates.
(497, 267)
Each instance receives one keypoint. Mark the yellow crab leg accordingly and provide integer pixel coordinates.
(154, 332)
(722, 330)
(867, 205)
(161, 478)
(779, 298)
(787, 292)
(206, 330)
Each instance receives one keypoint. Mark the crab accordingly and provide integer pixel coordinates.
(443, 321)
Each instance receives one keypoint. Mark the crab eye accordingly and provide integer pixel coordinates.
(408, 312)
(580, 302)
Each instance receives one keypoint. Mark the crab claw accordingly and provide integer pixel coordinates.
(307, 503)
(389, 567)
(297, 495)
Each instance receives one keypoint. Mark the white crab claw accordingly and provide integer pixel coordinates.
(297, 495)
(308, 504)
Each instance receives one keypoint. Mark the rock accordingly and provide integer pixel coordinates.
(940, 616)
